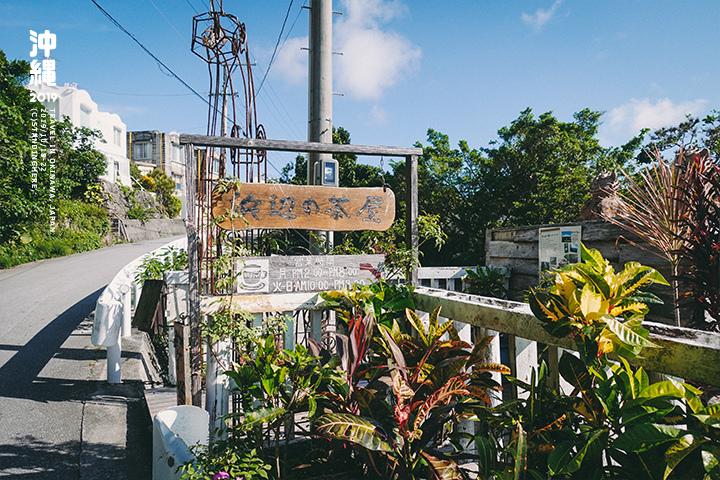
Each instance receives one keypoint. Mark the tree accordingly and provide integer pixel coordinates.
(537, 172)
(42, 161)
(691, 132)
(158, 181)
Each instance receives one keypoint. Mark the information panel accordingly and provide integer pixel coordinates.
(559, 246)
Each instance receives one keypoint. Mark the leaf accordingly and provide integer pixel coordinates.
(679, 450)
(646, 436)
(442, 469)
(487, 453)
(454, 388)
(358, 430)
(520, 454)
(627, 336)
(674, 389)
(258, 417)
(560, 457)
(417, 325)
(576, 373)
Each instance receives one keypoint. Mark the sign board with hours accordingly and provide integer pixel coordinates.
(310, 273)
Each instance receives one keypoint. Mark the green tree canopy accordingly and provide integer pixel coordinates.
(42, 161)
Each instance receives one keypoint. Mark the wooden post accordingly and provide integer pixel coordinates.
(194, 277)
(411, 214)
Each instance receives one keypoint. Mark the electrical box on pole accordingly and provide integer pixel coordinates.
(327, 172)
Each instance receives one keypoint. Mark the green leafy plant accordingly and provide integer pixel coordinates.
(485, 281)
(154, 266)
(426, 399)
(384, 301)
(599, 309)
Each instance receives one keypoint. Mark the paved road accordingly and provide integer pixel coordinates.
(51, 377)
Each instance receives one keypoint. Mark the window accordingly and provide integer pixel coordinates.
(178, 182)
(117, 170)
(178, 156)
(117, 134)
(142, 151)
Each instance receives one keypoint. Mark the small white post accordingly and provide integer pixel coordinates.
(126, 310)
(137, 290)
(218, 387)
(172, 374)
(114, 354)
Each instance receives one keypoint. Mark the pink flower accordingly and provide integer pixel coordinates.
(221, 476)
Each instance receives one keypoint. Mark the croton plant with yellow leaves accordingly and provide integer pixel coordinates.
(599, 309)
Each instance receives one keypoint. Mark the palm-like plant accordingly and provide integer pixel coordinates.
(654, 209)
(702, 248)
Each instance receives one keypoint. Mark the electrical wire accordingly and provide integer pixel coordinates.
(169, 23)
(277, 45)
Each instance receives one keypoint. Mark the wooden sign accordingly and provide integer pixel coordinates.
(309, 207)
(310, 273)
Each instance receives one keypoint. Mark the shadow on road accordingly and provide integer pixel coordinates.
(19, 375)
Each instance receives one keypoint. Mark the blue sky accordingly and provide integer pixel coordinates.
(465, 68)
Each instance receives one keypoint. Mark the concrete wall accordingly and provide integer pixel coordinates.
(137, 230)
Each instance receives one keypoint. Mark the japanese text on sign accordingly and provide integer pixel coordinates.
(294, 206)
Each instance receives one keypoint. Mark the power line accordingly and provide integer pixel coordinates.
(277, 45)
(141, 94)
(159, 62)
(169, 23)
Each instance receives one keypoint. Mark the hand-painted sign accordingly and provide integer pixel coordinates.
(310, 273)
(310, 207)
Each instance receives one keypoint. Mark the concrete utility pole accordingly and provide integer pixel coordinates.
(319, 81)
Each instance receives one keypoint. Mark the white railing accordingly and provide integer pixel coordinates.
(685, 353)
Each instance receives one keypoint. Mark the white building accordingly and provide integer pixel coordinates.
(76, 104)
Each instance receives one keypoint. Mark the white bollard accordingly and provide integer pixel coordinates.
(114, 355)
(126, 310)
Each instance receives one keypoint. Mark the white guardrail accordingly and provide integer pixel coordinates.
(113, 311)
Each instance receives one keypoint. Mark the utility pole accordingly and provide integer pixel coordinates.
(320, 86)
(319, 81)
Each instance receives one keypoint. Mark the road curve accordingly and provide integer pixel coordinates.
(48, 366)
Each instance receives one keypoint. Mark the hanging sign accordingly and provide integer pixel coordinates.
(309, 207)
(308, 273)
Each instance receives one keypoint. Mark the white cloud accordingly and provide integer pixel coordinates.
(626, 121)
(291, 61)
(378, 115)
(538, 19)
(373, 59)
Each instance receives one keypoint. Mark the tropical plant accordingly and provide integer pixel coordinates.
(426, 400)
(701, 193)
(599, 309)
(154, 266)
(653, 208)
(384, 301)
(485, 281)
(515, 438)
(273, 385)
